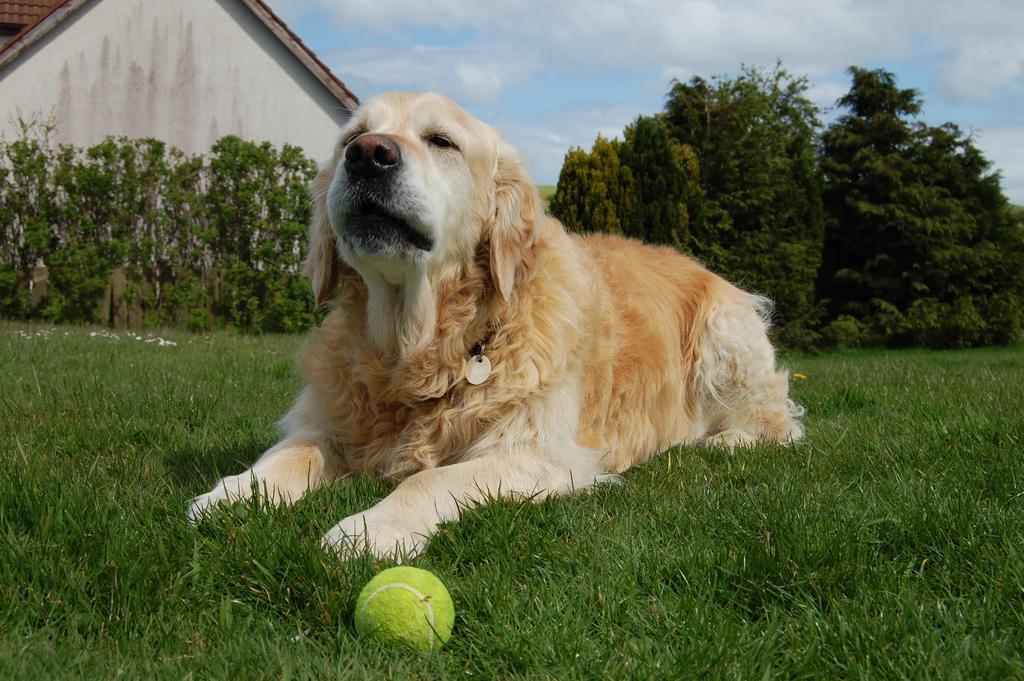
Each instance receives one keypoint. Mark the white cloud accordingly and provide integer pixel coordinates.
(483, 82)
(1004, 146)
(466, 74)
(825, 93)
(386, 15)
(971, 51)
(698, 35)
(543, 139)
(983, 71)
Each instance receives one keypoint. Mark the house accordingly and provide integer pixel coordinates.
(16, 15)
(184, 71)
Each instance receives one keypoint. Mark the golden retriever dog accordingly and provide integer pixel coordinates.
(475, 349)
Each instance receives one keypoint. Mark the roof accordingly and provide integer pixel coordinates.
(48, 14)
(301, 52)
(23, 12)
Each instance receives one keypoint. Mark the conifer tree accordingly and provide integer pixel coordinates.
(666, 177)
(921, 247)
(573, 191)
(595, 191)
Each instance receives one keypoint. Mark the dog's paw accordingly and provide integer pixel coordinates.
(379, 534)
(228, 489)
(731, 439)
(200, 507)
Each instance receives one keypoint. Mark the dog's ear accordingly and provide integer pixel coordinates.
(322, 261)
(514, 224)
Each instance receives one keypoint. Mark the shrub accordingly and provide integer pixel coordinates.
(844, 332)
(197, 242)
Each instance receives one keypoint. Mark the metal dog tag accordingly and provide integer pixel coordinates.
(478, 369)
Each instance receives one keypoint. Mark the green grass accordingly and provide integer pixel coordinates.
(887, 544)
(546, 191)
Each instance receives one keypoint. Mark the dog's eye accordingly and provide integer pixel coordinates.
(440, 141)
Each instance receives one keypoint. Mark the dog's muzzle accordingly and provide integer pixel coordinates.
(374, 224)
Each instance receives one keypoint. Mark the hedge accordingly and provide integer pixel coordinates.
(133, 232)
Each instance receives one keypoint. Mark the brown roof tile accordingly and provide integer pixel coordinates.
(24, 12)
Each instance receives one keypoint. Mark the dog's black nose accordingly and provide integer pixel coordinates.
(372, 155)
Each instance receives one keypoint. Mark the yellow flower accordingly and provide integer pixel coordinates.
(798, 376)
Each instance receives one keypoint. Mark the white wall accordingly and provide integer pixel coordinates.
(185, 71)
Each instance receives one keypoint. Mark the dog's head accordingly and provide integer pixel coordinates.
(417, 187)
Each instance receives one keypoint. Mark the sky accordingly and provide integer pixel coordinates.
(554, 74)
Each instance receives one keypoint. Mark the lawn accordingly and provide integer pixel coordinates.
(546, 191)
(887, 544)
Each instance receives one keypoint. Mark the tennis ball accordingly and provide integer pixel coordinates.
(406, 605)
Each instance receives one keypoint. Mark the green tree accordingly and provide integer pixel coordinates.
(760, 222)
(921, 246)
(572, 191)
(595, 191)
(92, 227)
(258, 208)
(665, 175)
(27, 211)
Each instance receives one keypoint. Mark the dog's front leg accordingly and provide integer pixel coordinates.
(282, 474)
(401, 523)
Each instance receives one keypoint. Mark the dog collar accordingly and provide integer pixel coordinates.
(478, 369)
